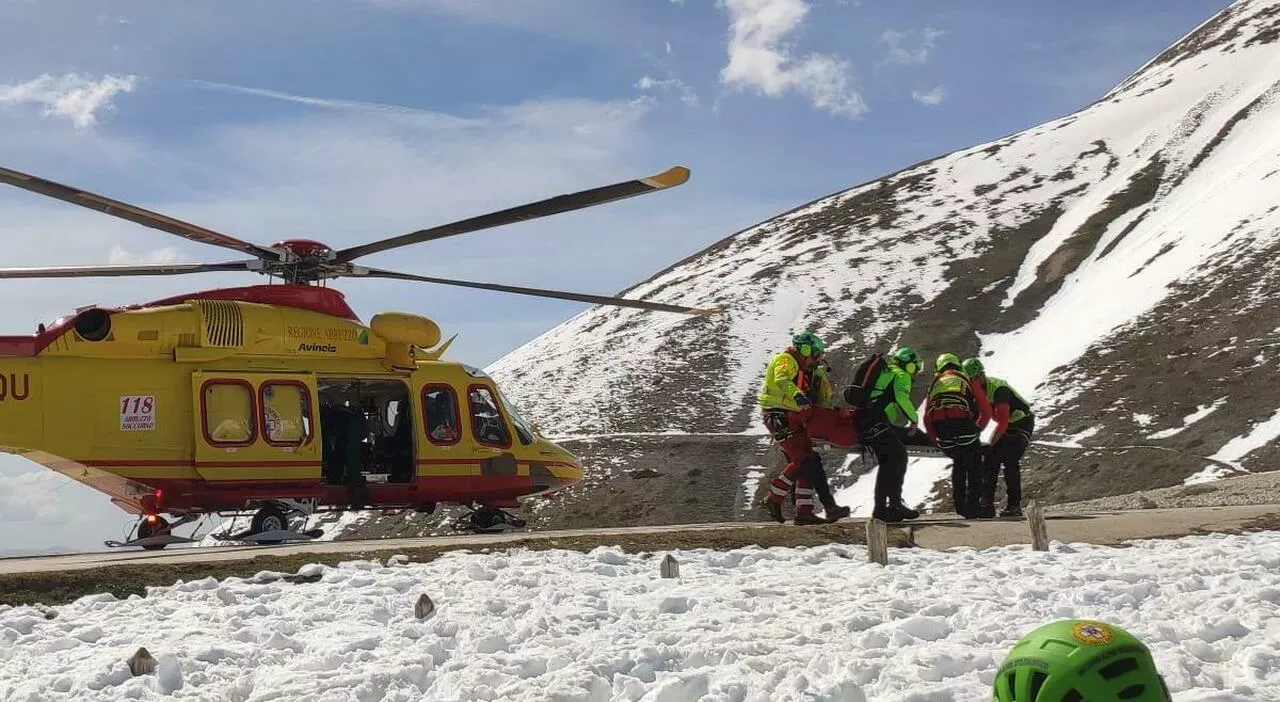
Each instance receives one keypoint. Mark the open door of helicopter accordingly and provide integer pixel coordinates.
(256, 426)
(368, 425)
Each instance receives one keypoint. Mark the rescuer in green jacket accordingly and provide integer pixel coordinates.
(951, 418)
(1015, 424)
(888, 416)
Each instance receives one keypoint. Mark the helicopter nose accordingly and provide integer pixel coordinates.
(562, 467)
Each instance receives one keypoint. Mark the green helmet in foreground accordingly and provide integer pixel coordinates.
(1078, 660)
(972, 367)
(946, 359)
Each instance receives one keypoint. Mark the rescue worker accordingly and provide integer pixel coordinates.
(889, 416)
(1079, 659)
(796, 405)
(344, 430)
(1015, 424)
(951, 422)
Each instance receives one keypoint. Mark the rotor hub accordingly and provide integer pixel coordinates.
(305, 248)
(307, 260)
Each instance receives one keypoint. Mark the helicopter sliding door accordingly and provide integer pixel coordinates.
(256, 427)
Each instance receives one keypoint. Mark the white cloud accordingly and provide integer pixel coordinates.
(759, 58)
(910, 47)
(70, 96)
(436, 119)
(684, 90)
(930, 98)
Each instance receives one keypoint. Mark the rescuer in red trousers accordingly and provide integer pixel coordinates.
(796, 403)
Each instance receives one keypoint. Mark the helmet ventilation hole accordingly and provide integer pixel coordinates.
(1132, 692)
(1073, 696)
(1037, 681)
(1118, 668)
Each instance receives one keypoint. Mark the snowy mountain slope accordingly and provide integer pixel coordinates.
(1113, 264)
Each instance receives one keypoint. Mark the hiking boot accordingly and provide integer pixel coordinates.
(1014, 511)
(906, 512)
(774, 509)
(985, 512)
(836, 513)
(807, 518)
(888, 515)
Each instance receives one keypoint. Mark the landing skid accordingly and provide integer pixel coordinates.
(275, 536)
(270, 525)
(488, 520)
(154, 532)
(151, 542)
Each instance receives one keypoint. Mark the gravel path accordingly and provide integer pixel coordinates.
(1256, 489)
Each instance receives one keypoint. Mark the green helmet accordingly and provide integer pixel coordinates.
(1079, 659)
(972, 367)
(946, 359)
(808, 344)
(906, 355)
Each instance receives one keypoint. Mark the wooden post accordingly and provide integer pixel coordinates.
(877, 542)
(669, 568)
(1039, 532)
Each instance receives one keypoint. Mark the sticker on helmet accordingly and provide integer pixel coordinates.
(1092, 633)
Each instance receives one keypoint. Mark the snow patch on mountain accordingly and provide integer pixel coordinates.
(1258, 436)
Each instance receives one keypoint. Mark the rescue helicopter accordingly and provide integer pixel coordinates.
(276, 401)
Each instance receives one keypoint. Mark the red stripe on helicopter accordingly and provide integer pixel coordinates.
(118, 463)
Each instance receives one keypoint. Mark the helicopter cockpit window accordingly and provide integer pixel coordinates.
(286, 413)
(443, 421)
(486, 421)
(522, 427)
(228, 413)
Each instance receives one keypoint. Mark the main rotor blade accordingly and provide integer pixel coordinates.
(124, 210)
(669, 178)
(126, 270)
(538, 292)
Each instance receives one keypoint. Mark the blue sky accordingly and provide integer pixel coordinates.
(352, 120)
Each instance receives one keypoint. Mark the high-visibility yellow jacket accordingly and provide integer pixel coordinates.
(783, 380)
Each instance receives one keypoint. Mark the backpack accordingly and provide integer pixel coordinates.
(864, 380)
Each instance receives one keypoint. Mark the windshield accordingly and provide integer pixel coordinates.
(523, 428)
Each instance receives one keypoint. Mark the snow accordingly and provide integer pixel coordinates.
(747, 624)
(1258, 436)
(1201, 412)
(1075, 440)
(751, 482)
(923, 472)
(1208, 475)
(1143, 420)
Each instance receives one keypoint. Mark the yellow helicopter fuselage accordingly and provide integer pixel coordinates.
(218, 400)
